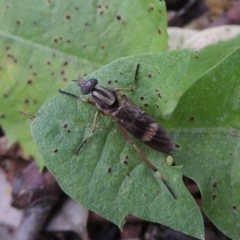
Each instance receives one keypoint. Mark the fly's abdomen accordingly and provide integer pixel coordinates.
(146, 129)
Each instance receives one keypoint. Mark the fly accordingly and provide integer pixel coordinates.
(130, 118)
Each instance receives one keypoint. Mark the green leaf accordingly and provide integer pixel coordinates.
(207, 121)
(201, 61)
(45, 44)
(108, 176)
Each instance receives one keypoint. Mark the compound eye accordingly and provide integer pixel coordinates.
(87, 86)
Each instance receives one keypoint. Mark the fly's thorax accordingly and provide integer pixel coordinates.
(104, 98)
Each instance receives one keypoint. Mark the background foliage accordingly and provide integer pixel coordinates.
(194, 95)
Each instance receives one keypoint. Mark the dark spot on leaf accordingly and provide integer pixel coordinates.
(34, 22)
(118, 17)
(34, 101)
(145, 194)
(84, 46)
(106, 6)
(7, 48)
(150, 9)
(18, 22)
(214, 185)
(150, 75)
(68, 131)
(60, 38)
(234, 207)
(109, 82)
(65, 63)
(29, 81)
(126, 157)
(76, 8)
(159, 31)
(55, 40)
(125, 218)
(26, 101)
(64, 79)
(62, 72)
(52, 73)
(3, 116)
(101, 13)
(157, 106)
(48, 63)
(53, 55)
(196, 57)
(128, 174)
(34, 74)
(116, 81)
(99, 6)
(68, 17)
(102, 47)
(86, 24)
(160, 11)
(125, 162)
(15, 60)
(177, 146)
(68, 41)
(5, 96)
(230, 154)
(65, 125)
(191, 119)
(109, 170)
(214, 197)
(146, 104)
(160, 95)
(7, 7)
(141, 98)
(55, 150)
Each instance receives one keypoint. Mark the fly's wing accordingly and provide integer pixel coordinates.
(143, 127)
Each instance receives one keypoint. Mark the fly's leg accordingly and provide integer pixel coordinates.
(77, 97)
(144, 158)
(91, 133)
(94, 121)
(31, 117)
(134, 82)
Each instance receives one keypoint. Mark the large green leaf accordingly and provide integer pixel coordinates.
(45, 44)
(107, 176)
(207, 121)
(201, 61)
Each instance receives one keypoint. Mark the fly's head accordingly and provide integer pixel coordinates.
(87, 86)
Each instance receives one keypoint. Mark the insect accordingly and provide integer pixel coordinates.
(129, 117)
